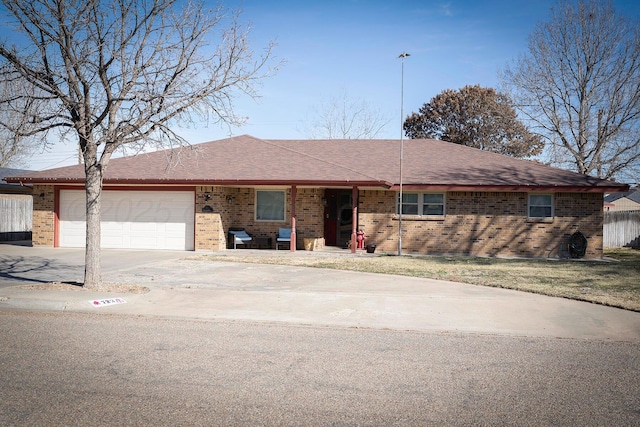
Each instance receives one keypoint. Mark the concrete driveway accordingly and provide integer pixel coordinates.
(21, 263)
(182, 286)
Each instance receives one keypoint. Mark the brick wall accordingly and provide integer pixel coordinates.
(209, 214)
(309, 214)
(476, 223)
(231, 207)
(485, 223)
(43, 215)
(235, 207)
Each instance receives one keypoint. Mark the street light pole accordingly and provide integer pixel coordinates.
(402, 56)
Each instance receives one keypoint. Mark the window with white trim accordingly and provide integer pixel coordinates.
(410, 205)
(422, 204)
(270, 205)
(540, 205)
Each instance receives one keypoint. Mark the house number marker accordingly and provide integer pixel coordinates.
(107, 301)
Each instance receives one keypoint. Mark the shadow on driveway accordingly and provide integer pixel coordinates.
(20, 269)
(22, 263)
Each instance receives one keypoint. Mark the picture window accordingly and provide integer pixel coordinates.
(270, 205)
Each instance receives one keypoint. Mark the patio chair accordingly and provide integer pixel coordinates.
(239, 237)
(284, 236)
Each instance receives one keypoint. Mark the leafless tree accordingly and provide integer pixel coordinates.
(342, 117)
(117, 73)
(13, 150)
(579, 85)
(14, 147)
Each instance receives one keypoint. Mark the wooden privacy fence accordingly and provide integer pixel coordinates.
(15, 217)
(621, 228)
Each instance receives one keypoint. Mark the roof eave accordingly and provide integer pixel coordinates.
(253, 182)
(214, 182)
(605, 188)
(521, 188)
(26, 180)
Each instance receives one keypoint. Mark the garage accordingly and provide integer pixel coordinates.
(131, 219)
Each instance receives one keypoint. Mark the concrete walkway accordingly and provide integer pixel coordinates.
(188, 288)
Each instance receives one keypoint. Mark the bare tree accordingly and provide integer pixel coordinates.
(579, 85)
(341, 117)
(14, 147)
(123, 72)
(477, 117)
(13, 150)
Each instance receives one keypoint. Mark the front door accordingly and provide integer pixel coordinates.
(338, 217)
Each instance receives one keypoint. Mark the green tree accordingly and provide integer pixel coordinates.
(477, 117)
(579, 86)
(123, 73)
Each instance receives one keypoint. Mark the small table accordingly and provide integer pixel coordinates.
(262, 241)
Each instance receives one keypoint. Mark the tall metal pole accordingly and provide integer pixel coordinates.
(402, 56)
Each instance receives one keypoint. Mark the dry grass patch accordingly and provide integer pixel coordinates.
(614, 281)
(77, 287)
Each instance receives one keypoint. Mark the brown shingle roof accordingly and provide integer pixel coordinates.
(245, 160)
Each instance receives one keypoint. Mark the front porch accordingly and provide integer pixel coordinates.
(318, 217)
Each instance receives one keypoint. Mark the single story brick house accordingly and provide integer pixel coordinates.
(456, 199)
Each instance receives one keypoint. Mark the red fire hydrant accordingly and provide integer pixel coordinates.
(360, 239)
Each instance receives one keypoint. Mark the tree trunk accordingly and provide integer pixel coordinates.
(92, 270)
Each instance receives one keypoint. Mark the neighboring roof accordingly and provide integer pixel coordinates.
(633, 194)
(245, 160)
(13, 188)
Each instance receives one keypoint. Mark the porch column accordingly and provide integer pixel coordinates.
(354, 218)
(292, 245)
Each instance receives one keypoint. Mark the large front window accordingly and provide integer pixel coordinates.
(270, 205)
(424, 204)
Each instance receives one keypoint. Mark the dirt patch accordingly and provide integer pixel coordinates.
(120, 288)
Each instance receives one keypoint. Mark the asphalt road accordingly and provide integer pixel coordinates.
(82, 369)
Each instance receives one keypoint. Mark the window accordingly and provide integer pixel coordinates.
(270, 205)
(424, 204)
(540, 206)
(433, 204)
(410, 204)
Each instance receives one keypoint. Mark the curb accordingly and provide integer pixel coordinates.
(33, 304)
(77, 303)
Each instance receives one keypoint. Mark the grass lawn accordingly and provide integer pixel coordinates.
(614, 281)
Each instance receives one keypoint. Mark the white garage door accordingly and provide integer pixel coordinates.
(132, 219)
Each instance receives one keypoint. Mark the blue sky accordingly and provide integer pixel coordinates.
(353, 46)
